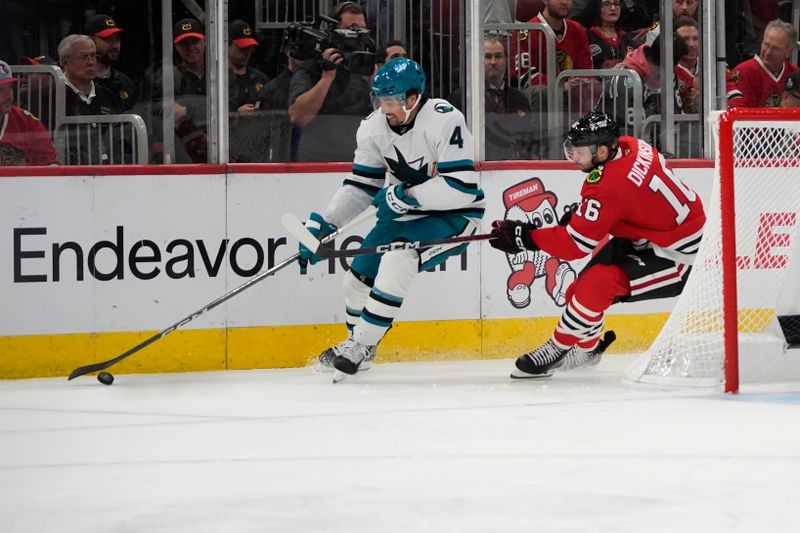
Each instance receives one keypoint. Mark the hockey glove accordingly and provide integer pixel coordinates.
(392, 202)
(319, 228)
(512, 237)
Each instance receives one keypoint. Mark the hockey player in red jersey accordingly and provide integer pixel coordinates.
(654, 219)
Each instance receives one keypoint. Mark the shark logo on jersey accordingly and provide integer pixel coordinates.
(404, 171)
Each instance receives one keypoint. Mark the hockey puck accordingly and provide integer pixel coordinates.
(105, 378)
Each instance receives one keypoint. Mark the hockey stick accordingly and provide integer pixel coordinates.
(297, 230)
(96, 367)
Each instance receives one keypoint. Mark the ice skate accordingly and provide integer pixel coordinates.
(577, 358)
(540, 362)
(325, 360)
(351, 357)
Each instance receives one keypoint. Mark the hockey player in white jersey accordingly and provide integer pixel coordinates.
(413, 161)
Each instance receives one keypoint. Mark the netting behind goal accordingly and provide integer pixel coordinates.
(745, 275)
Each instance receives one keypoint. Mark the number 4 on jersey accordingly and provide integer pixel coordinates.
(456, 138)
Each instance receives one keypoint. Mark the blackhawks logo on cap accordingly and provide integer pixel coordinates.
(186, 26)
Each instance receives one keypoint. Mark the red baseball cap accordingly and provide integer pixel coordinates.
(102, 26)
(187, 28)
(6, 77)
(241, 34)
(528, 195)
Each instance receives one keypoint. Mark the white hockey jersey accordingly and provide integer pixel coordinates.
(434, 157)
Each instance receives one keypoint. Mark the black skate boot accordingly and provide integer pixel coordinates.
(326, 358)
(540, 362)
(350, 358)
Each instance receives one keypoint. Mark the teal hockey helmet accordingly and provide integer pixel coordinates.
(397, 77)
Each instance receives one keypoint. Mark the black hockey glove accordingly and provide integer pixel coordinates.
(512, 237)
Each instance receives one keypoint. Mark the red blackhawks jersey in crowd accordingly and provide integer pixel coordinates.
(572, 51)
(24, 140)
(634, 196)
(751, 84)
(685, 81)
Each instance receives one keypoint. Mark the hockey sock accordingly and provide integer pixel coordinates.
(356, 290)
(395, 274)
(578, 325)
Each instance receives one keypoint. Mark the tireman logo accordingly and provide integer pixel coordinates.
(246, 31)
(124, 95)
(186, 26)
(110, 23)
(529, 201)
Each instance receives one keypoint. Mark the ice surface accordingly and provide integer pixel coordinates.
(423, 447)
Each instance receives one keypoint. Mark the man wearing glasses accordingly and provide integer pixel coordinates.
(78, 58)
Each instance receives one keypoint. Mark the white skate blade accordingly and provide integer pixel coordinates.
(339, 376)
(519, 374)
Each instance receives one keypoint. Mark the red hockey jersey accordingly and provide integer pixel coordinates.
(686, 88)
(751, 84)
(24, 140)
(633, 196)
(572, 51)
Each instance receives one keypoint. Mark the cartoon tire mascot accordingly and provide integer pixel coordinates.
(530, 202)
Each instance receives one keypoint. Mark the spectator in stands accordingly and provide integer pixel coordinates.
(78, 58)
(107, 40)
(274, 104)
(644, 60)
(688, 67)
(328, 101)
(608, 44)
(791, 90)
(685, 8)
(391, 50)
(37, 93)
(246, 82)
(248, 137)
(23, 139)
(189, 110)
(759, 82)
(680, 8)
(508, 122)
(572, 52)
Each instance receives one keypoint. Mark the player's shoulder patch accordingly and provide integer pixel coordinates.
(595, 176)
(443, 107)
(735, 76)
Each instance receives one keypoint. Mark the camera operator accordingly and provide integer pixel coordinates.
(328, 99)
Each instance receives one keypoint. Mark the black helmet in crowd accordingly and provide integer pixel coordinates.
(594, 129)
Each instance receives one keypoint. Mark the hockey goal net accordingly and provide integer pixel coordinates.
(740, 307)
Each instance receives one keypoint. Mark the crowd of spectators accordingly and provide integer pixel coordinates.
(301, 109)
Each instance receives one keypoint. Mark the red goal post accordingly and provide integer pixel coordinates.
(743, 291)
